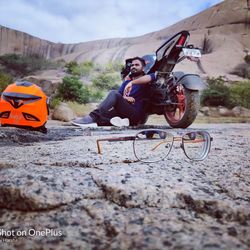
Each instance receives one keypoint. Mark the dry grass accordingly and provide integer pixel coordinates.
(82, 109)
(160, 120)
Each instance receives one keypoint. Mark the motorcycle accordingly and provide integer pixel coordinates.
(174, 94)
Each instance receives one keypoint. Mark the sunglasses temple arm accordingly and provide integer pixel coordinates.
(157, 145)
(125, 138)
(98, 147)
(194, 141)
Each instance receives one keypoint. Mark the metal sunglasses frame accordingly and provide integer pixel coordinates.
(206, 135)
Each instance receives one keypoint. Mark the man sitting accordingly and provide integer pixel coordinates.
(125, 106)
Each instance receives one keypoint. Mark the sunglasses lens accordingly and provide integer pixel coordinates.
(152, 145)
(196, 145)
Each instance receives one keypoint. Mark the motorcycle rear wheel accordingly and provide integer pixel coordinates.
(185, 112)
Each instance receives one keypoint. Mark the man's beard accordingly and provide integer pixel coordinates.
(137, 73)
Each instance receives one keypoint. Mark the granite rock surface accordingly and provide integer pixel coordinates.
(61, 194)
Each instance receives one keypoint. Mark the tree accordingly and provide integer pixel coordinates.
(72, 89)
(106, 81)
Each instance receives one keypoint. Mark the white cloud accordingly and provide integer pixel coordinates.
(77, 21)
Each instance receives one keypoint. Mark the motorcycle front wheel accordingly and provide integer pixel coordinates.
(183, 113)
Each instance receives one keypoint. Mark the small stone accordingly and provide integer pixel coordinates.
(232, 231)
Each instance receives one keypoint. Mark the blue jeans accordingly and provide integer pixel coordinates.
(115, 105)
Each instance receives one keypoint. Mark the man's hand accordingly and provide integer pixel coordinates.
(130, 99)
(127, 89)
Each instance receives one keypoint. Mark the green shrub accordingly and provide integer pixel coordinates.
(113, 67)
(60, 62)
(70, 66)
(216, 94)
(240, 94)
(95, 94)
(98, 67)
(106, 81)
(83, 69)
(55, 101)
(72, 89)
(21, 65)
(219, 94)
(85, 94)
(5, 80)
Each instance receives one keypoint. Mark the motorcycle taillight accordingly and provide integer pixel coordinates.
(181, 40)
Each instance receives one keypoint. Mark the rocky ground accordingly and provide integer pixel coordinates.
(56, 192)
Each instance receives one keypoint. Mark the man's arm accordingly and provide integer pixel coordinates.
(141, 80)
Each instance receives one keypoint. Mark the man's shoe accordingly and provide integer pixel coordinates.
(86, 121)
(119, 122)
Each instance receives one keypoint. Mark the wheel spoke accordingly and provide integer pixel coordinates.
(184, 112)
(179, 111)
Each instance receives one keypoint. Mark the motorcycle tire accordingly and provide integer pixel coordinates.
(184, 114)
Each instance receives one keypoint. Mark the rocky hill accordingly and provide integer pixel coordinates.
(220, 31)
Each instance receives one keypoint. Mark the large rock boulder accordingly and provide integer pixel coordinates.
(237, 111)
(63, 113)
(48, 85)
(241, 111)
(205, 111)
(223, 111)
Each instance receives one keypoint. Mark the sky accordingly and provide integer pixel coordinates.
(73, 21)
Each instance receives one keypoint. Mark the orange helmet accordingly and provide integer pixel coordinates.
(23, 104)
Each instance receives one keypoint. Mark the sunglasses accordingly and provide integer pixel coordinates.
(152, 145)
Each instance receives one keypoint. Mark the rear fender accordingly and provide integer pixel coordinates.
(189, 81)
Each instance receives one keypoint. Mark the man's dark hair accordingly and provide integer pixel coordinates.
(139, 59)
